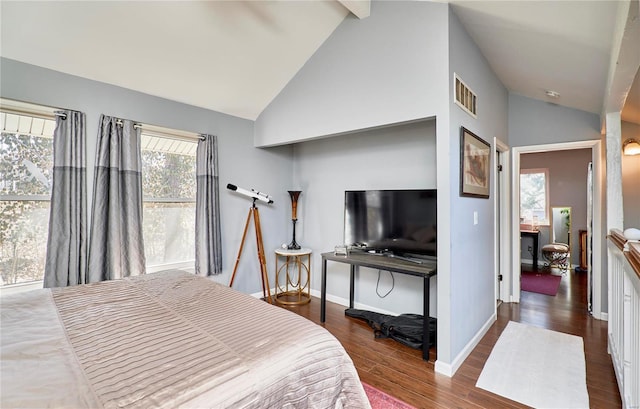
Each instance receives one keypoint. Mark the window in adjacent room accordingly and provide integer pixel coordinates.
(534, 196)
(169, 193)
(26, 172)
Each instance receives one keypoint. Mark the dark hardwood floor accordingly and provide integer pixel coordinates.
(401, 372)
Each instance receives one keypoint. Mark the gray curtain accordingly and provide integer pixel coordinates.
(208, 238)
(116, 249)
(66, 262)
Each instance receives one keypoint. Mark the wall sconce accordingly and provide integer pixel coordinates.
(631, 147)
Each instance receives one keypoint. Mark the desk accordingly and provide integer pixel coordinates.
(534, 234)
(425, 270)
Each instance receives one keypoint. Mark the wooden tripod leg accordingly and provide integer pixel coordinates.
(244, 235)
(261, 256)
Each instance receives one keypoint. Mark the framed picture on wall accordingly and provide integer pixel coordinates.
(475, 165)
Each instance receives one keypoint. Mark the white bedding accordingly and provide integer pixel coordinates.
(170, 340)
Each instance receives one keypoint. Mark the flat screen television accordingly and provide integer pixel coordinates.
(396, 221)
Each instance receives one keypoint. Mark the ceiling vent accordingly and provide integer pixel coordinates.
(465, 98)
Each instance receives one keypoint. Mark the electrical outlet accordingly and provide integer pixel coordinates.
(530, 248)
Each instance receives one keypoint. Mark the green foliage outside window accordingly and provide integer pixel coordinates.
(26, 167)
(26, 171)
(533, 196)
(169, 190)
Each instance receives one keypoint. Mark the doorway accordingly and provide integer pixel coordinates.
(597, 243)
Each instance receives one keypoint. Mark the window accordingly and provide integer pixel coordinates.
(26, 172)
(534, 196)
(169, 193)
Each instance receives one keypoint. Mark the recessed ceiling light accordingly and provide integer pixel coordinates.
(552, 94)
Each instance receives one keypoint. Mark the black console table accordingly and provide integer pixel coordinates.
(534, 234)
(426, 270)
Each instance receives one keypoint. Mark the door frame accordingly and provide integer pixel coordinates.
(597, 238)
(502, 256)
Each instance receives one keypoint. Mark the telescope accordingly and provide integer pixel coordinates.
(255, 215)
(254, 194)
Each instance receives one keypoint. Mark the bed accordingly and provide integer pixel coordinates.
(170, 339)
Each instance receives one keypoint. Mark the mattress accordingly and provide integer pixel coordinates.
(166, 340)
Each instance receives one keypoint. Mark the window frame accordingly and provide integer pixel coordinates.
(546, 221)
(42, 114)
(167, 134)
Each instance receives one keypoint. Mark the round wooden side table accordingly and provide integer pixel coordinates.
(293, 276)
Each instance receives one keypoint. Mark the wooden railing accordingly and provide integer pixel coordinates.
(624, 316)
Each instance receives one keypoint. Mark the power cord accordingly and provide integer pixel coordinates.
(393, 283)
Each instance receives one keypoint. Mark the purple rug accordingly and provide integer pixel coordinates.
(541, 283)
(381, 400)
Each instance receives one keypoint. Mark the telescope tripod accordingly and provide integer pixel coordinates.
(255, 215)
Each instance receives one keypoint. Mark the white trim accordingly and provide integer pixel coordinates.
(501, 206)
(546, 221)
(259, 295)
(450, 369)
(167, 200)
(25, 198)
(335, 299)
(20, 287)
(167, 133)
(179, 265)
(345, 303)
(598, 235)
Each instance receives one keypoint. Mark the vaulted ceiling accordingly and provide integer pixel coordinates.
(236, 56)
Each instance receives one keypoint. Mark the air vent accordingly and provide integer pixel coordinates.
(465, 98)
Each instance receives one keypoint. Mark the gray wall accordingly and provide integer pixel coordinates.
(240, 162)
(631, 179)
(396, 66)
(387, 68)
(533, 122)
(398, 157)
(472, 272)
(567, 187)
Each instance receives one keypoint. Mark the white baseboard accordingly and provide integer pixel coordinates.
(450, 369)
(334, 299)
(604, 316)
(345, 303)
(260, 295)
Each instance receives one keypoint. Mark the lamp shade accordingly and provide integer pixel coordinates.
(631, 147)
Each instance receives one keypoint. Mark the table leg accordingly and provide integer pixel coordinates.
(425, 320)
(323, 291)
(352, 280)
(535, 252)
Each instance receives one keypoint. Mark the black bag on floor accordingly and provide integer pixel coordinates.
(404, 328)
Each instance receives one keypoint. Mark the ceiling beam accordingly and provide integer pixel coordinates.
(625, 58)
(360, 8)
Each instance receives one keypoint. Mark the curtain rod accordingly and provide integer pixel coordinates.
(166, 133)
(161, 132)
(33, 114)
(16, 107)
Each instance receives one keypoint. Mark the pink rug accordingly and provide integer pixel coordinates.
(542, 283)
(380, 400)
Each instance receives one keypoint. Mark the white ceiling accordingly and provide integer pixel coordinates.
(235, 56)
(229, 56)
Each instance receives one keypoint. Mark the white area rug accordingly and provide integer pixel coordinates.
(537, 367)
